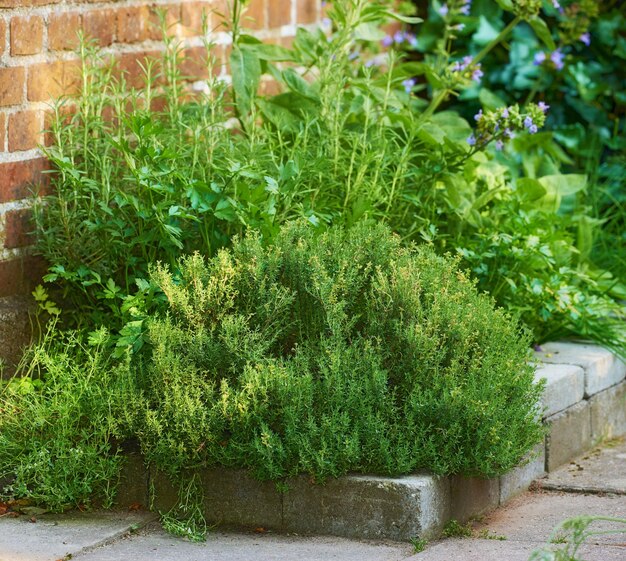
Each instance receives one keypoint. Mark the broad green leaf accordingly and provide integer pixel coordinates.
(431, 134)
(564, 184)
(298, 84)
(246, 75)
(368, 32)
(486, 32)
(542, 30)
(530, 189)
(264, 51)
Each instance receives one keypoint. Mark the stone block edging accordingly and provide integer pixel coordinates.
(584, 403)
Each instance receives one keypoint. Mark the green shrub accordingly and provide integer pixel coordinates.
(334, 353)
(60, 422)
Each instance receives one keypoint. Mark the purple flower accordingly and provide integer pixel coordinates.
(443, 11)
(478, 115)
(543, 106)
(586, 38)
(528, 122)
(399, 37)
(412, 39)
(327, 22)
(369, 63)
(499, 145)
(387, 41)
(471, 140)
(540, 57)
(532, 129)
(477, 74)
(505, 113)
(509, 133)
(557, 58)
(353, 55)
(556, 4)
(465, 10)
(408, 84)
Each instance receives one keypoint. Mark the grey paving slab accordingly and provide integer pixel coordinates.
(492, 550)
(602, 368)
(532, 517)
(565, 386)
(603, 470)
(155, 545)
(54, 537)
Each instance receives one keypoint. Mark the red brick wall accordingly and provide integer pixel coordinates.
(37, 63)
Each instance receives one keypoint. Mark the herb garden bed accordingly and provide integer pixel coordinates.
(585, 402)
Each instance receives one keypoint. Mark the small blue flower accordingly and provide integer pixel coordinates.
(543, 106)
(528, 122)
(499, 145)
(586, 38)
(408, 84)
(477, 74)
(540, 58)
(399, 37)
(557, 58)
(505, 113)
(532, 129)
(478, 115)
(387, 41)
(443, 11)
(471, 140)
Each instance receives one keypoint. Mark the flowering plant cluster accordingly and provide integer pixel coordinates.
(505, 122)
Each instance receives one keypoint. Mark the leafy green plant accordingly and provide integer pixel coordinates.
(61, 424)
(574, 532)
(453, 529)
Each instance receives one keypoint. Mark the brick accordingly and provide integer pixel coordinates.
(3, 35)
(279, 13)
(24, 130)
(20, 276)
(172, 18)
(63, 31)
(15, 330)
(26, 35)
(194, 63)
(11, 85)
(132, 24)
(100, 26)
(3, 131)
(18, 179)
(255, 16)
(130, 67)
(191, 14)
(306, 11)
(25, 3)
(52, 80)
(17, 228)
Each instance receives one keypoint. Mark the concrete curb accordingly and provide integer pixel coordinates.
(585, 402)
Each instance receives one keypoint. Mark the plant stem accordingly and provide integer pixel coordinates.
(501, 37)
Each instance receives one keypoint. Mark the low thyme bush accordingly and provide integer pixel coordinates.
(334, 353)
(322, 354)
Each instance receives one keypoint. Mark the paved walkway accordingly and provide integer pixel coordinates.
(594, 484)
